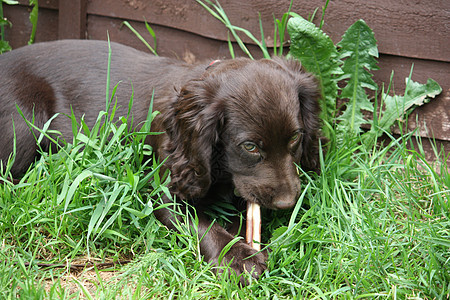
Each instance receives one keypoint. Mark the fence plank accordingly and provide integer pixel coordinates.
(51, 4)
(417, 29)
(72, 19)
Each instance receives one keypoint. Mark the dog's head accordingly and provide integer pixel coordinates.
(264, 116)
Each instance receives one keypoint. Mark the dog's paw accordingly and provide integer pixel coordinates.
(242, 258)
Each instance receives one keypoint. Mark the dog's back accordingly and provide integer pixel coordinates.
(55, 77)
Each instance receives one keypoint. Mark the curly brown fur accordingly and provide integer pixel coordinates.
(237, 127)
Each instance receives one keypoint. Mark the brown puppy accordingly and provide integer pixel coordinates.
(236, 127)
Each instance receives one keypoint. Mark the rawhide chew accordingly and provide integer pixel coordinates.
(253, 233)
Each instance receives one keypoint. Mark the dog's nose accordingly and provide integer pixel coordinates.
(288, 198)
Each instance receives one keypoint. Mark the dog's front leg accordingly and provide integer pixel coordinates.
(240, 257)
(213, 238)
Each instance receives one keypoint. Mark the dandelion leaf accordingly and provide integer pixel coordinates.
(397, 107)
(416, 94)
(318, 55)
(358, 50)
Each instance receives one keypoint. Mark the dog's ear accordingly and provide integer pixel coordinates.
(192, 123)
(308, 96)
(309, 114)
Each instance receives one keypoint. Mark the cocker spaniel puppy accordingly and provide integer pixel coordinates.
(235, 130)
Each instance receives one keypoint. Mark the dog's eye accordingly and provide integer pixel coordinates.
(251, 148)
(295, 138)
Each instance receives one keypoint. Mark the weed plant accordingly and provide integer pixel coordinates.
(373, 224)
(4, 44)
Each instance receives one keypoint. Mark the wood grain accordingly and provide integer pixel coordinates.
(417, 29)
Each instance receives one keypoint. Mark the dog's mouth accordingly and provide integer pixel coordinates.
(274, 203)
(248, 197)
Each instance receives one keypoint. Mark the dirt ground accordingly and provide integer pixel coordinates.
(84, 276)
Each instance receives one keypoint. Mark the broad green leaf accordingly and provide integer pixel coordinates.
(416, 94)
(358, 50)
(318, 55)
(397, 107)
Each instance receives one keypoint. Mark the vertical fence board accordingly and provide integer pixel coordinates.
(72, 19)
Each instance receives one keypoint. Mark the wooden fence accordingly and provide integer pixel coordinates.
(408, 32)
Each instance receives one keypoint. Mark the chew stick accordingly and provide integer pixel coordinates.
(253, 234)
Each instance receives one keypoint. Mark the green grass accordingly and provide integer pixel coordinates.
(373, 224)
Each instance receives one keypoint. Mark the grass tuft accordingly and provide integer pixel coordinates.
(375, 223)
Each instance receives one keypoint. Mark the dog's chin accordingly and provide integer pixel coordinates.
(283, 204)
(279, 204)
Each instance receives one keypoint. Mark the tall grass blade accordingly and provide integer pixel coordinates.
(141, 38)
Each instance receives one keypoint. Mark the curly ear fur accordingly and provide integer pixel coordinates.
(192, 122)
(308, 95)
(309, 109)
